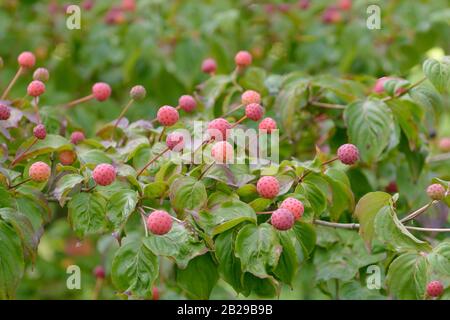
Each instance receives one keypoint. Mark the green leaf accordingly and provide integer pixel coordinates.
(438, 72)
(213, 88)
(199, 278)
(260, 204)
(306, 236)
(65, 185)
(11, 262)
(87, 213)
(288, 263)
(120, 205)
(366, 211)
(135, 268)
(93, 157)
(51, 143)
(179, 244)
(187, 193)
(258, 248)
(343, 198)
(226, 216)
(409, 115)
(439, 259)
(315, 196)
(6, 199)
(155, 189)
(369, 126)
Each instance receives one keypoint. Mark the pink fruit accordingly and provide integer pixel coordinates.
(167, 116)
(435, 288)
(138, 93)
(254, 111)
(444, 144)
(391, 187)
(101, 91)
(304, 4)
(99, 272)
(268, 187)
(379, 85)
(331, 15)
(345, 4)
(67, 157)
(218, 128)
(76, 137)
(159, 222)
(5, 112)
(222, 152)
(155, 293)
(187, 103)
(129, 5)
(436, 191)
(293, 205)
(250, 96)
(39, 132)
(39, 171)
(26, 60)
(348, 154)
(175, 141)
(36, 88)
(268, 124)
(104, 174)
(282, 219)
(209, 66)
(243, 59)
(41, 74)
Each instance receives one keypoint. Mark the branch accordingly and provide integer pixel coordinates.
(418, 212)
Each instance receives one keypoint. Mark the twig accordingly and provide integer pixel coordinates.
(327, 105)
(142, 212)
(11, 84)
(207, 168)
(151, 161)
(404, 91)
(418, 212)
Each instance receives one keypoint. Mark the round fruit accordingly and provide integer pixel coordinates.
(187, 103)
(267, 124)
(101, 91)
(435, 288)
(167, 116)
(348, 154)
(436, 191)
(217, 129)
(159, 222)
(282, 219)
(268, 187)
(293, 205)
(39, 171)
(254, 111)
(26, 60)
(39, 132)
(250, 96)
(175, 141)
(104, 174)
(222, 152)
(67, 157)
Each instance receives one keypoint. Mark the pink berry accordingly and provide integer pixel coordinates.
(268, 124)
(67, 157)
(345, 4)
(218, 128)
(436, 191)
(175, 141)
(5, 113)
(209, 66)
(138, 93)
(36, 88)
(39, 171)
(282, 219)
(159, 222)
(155, 293)
(391, 187)
(268, 187)
(104, 174)
(129, 5)
(101, 91)
(39, 132)
(222, 152)
(76, 137)
(99, 272)
(254, 111)
(250, 96)
(187, 103)
(26, 60)
(379, 85)
(435, 288)
(304, 4)
(348, 154)
(167, 116)
(331, 15)
(41, 74)
(293, 205)
(444, 144)
(243, 59)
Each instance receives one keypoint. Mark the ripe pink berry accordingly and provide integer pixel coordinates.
(138, 93)
(222, 152)
(187, 103)
(39, 132)
(218, 128)
(41, 74)
(268, 187)
(99, 272)
(268, 124)
(159, 222)
(379, 85)
(348, 154)
(436, 191)
(167, 116)
(391, 187)
(67, 157)
(282, 219)
(36, 88)
(243, 59)
(76, 137)
(5, 113)
(345, 4)
(435, 288)
(254, 111)
(129, 5)
(293, 205)
(250, 96)
(104, 174)
(304, 4)
(101, 91)
(209, 66)
(155, 293)
(39, 171)
(175, 141)
(26, 60)
(444, 144)
(331, 15)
